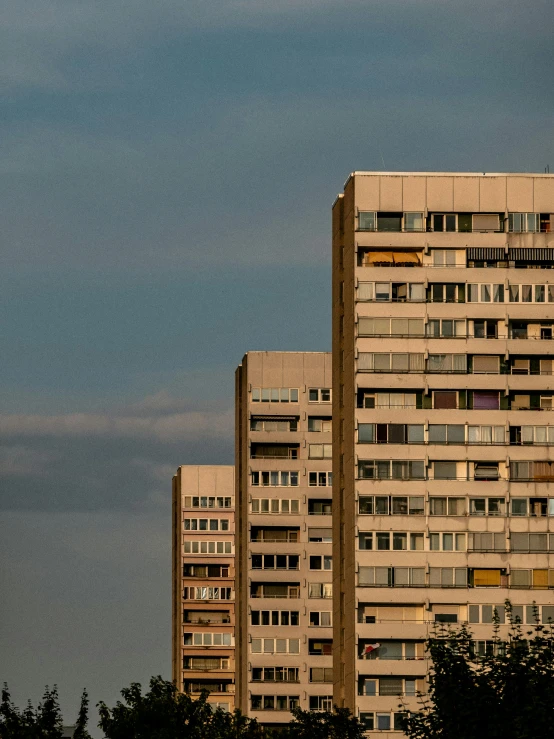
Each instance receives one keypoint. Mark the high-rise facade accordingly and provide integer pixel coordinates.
(443, 321)
(284, 493)
(204, 582)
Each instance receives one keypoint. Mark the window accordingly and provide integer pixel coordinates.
(389, 221)
(486, 541)
(275, 674)
(320, 590)
(535, 434)
(275, 646)
(322, 536)
(447, 363)
(445, 399)
(383, 505)
(321, 618)
(485, 614)
(525, 542)
(273, 534)
(391, 576)
(444, 257)
(486, 222)
(445, 293)
(444, 470)
(274, 618)
(205, 663)
(321, 702)
(399, 292)
(369, 362)
(485, 293)
(320, 479)
(395, 470)
(539, 471)
(319, 395)
(486, 434)
(414, 222)
(321, 562)
(208, 639)
(275, 505)
(275, 561)
(486, 365)
(390, 400)
(486, 400)
(390, 326)
(320, 506)
(206, 524)
(275, 478)
(448, 577)
(367, 221)
(273, 423)
(275, 590)
(390, 433)
(274, 702)
(390, 650)
(485, 329)
(487, 506)
(321, 675)
(389, 686)
(447, 542)
(485, 578)
(523, 222)
(190, 570)
(208, 547)
(204, 593)
(205, 501)
(446, 433)
(320, 646)
(206, 617)
(386, 541)
(446, 328)
(320, 424)
(320, 451)
(274, 395)
(274, 451)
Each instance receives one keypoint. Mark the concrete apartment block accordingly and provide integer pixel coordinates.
(204, 582)
(284, 576)
(443, 431)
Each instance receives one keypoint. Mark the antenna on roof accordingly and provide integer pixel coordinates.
(547, 169)
(382, 160)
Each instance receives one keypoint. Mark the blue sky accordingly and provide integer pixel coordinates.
(167, 175)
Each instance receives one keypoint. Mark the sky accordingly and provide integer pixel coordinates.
(167, 171)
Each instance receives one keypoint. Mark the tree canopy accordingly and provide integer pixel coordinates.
(505, 693)
(44, 722)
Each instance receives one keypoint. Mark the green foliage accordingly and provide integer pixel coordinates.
(43, 723)
(164, 713)
(82, 719)
(508, 694)
(338, 724)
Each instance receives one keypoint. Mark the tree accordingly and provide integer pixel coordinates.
(82, 719)
(43, 723)
(164, 713)
(506, 694)
(336, 724)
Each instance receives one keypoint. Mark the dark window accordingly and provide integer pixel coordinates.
(486, 400)
(389, 221)
(445, 399)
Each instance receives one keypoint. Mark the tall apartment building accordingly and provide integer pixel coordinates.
(203, 582)
(443, 320)
(284, 493)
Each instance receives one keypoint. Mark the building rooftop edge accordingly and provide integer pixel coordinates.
(450, 174)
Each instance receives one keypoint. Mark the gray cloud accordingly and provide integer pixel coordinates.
(94, 461)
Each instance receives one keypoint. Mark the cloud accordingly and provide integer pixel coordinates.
(169, 427)
(98, 461)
